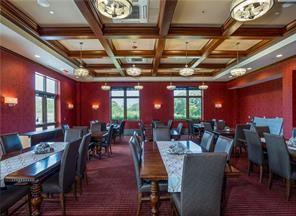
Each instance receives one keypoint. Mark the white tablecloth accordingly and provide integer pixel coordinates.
(174, 163)
(18, 162)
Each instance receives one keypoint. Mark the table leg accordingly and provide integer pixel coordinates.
(36, 199)
(154, 197)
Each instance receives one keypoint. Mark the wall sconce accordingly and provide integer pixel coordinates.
(157, 106)
(70, 106)
(218, 105)
(95, 106)
(10, 101)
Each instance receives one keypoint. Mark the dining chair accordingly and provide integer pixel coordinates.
(65, 127)
(220, 125)
(62, 181)
(170, 123)
(207, 141)
(95, 127)
(294, 132)
(255, 152)
(10, 195)
(84, 130)
(72, 134)
(82, 159)
(138, 147)
(207, 126)
(279, 161)
(192, 132)
(224, 144)
(239, 140)
(176, 133)
(103, 126)
(120, 131)
(106, 142)
(142, 131)
(261, 130)
(201, 186)
(161, 134)
(10, 143)
(144, 187)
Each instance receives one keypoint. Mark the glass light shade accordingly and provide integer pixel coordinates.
(81, 71)
(105, 87)
(138, 87)
(247, 10)
(171, 87)
(238, 72)
(133, 71)
(114, 9)
(203, 86)
(186, 71)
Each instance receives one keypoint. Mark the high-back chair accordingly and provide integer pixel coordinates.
(62, 182)
(207, 126)
(95, 127)
(294, 132)
(261, 130)
(84, 130)
(224, 144)
(106, 142)
(239, 140)
(138, 147)
(220, 125)
(10, 143)
(170, 124)
(142, 131)
(255, 151)
(201, 186)
(161, 134)
(72, 134)
(279, 160)
(207, 141)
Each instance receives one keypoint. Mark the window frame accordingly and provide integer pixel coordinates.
(124, 97)
(187, 98)
(45, 95)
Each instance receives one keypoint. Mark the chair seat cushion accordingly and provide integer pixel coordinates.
(146, 187)
(51, 185)
(177, 200)
(12, 194)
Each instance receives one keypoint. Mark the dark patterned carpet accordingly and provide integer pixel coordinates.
(112, 191)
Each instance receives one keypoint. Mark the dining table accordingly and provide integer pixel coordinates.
(27, 167)
(158, 165)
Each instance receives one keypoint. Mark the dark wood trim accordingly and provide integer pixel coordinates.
(65, 33)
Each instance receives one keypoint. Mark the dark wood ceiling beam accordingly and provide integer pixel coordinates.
(111, 31)
(88, 54)
(135, 53)
(90, 14)
(65, 33)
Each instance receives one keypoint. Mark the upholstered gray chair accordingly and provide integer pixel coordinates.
(170, 124)
(279, 160)
(261, 130)
(142, 131)
(10, 195)
(220, 125)
(95, 127)
(61, 182)
(224, 144)
(84, 129)
(72, 134)
(202, 183)
(177, 132)
(10, 143)
(106, 142)
(255, 152)
(207, 126)
(239, 140)
(137, 146)
(144, 187)
(120, 131)
(161, 134)
(207, 141)
(82, 159)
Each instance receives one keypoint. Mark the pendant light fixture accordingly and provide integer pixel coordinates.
(114, 9)
(171, 87)
(238, 71)
(81, 71)
(134, 71)
(186, 71)
(138, 86)
(203, 86)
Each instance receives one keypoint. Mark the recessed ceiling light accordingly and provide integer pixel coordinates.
(277, 13)
(43, 3)
(230, 76)
(279, 55)
(51, 12)
(249, 68)
(37, 56)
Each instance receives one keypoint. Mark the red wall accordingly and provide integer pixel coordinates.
(17, 80)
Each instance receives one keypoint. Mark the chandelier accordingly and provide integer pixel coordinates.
(81, 71)
(133, 71)
(247, 10)
(105, 87)
(138, 86)
(171, 87)
(238, 71)
(114, 9)
(186, 71)
(203, 86)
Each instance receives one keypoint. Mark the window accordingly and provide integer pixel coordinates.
(187, 103)
(45, 102)
(125, 104)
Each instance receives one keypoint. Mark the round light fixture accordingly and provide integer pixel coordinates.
(133, 71)
(203, 86)
(114, 9)
(238, 72)
(138, 87)
(186, 71)
(171, 87)
(247, 10)
(105, 87)
(81, 71)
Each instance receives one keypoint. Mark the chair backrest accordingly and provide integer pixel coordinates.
(190, 127)
(84, 130)
(294, 132)
(207, 126)
(170, 124)
(207, 141)
(95, 127)
(239, 136)
(261, 130)
(110, 134)
(278, 155)
(65, 127)
(121, 127)
(138, 146)
(103, 126)
(72, 134)
(83, 151)
(179, 128)
(255, 151)
(68, 165)
(10, 143)
(220, 124)
(202, 183)
(142, 129)
(224, 144)
(161, 134)
(137, 163)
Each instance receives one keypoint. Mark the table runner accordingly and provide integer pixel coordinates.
(174, 163)
(20, 161)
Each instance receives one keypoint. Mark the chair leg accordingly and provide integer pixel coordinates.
(63, 203)
(139, 203)
(79, 183)
(288, 185)
(270, 179)
(249, 167)
(261, 173)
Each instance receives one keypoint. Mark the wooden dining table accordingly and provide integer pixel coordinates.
(35, 174)
(154, 170)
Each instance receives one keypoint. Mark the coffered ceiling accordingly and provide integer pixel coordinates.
(156, 45)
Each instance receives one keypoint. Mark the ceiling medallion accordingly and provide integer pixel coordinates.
(81, 71)
(138, 86)
(247, 10)
(114, 9)
(105, 87)
(133, 71)
(186, 71)
(171, 87)
(238, 71)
